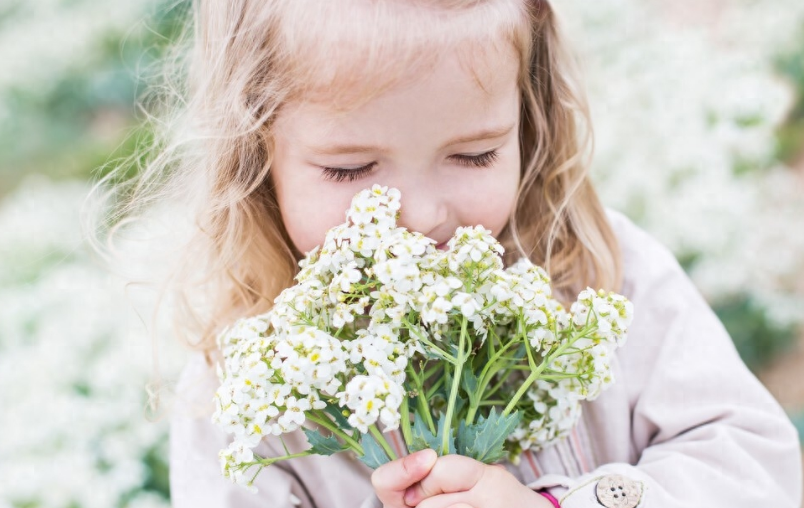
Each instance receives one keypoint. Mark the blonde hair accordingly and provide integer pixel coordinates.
(244, 59)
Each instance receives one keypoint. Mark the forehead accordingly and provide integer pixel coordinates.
(451, 99)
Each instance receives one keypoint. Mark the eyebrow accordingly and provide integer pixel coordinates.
(346, 149)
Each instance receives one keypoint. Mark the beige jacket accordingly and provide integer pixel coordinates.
(684, 425)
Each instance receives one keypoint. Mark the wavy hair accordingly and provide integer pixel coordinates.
(240, 61)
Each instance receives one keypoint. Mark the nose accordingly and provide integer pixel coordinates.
(425, 208)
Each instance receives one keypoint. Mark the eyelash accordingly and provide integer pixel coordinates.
(483, 160)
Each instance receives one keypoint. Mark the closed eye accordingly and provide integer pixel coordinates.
(482, 160)
(341, 174)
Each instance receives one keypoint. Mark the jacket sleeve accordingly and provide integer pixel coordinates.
(196, 480)
(706, 432)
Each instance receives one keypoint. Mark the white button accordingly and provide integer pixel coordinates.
(615, 491)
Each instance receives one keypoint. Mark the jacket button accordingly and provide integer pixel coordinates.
(615, 491)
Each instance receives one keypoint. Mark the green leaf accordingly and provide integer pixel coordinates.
(322, 445)
(373, 454)
(469, 381)
(459, 403)
(466, 435)
(484, 440)
(341, 420)
(422, 437)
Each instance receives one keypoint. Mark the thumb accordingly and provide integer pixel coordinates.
(392, 479)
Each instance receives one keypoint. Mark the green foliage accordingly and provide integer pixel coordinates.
(443, 428)
(484, 440)
(84, 120)
(157, 471)
(374, 456)
(157, 476)
(341, 420)
(757, 339)
(28, 503)
(323, 445)
(790, 64)
(422, 437)
(469, 381)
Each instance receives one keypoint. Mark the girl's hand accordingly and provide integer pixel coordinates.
(457, 481)
(391, 480)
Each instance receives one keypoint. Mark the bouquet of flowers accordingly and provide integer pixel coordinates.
(384, 331)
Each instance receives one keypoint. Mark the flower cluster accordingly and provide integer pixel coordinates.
(380, 320)
(372, 397)
(582, 374)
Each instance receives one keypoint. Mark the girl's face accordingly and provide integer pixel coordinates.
(449, 142)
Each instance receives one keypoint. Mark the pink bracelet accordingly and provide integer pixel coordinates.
(550, 498)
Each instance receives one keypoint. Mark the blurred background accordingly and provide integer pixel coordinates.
(699, 116)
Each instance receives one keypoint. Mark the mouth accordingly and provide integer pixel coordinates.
(442, 246)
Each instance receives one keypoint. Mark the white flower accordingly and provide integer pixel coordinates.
(348, 276)
(466, 302)
(232, 460)
(435, 310)
(277, 393)
(241, 453)
(368, 396)
(293, 417)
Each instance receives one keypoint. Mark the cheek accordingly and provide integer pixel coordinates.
(494, 197)
(310, 213)
(499, 208)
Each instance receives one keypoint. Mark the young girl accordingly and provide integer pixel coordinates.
(472, 110)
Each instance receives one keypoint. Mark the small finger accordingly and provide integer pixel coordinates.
(390, 480)
(451, 473)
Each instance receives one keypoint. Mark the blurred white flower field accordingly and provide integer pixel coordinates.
(685, 120)
(689, 119)
(74, 361)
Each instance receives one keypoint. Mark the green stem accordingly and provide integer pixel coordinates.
(381, 440)
(558, 377)
(485, 375)
(456, 382)
(499, 385)
(535, 374)
(406, 432)
(531, 378)
(435, 387)
(284, 445)
(488, 372)
(421, 400)
(271, 460)
(531, 361)
(432, 370)
(327, 424)
(424, 408)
